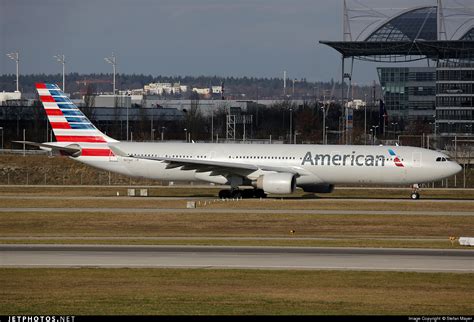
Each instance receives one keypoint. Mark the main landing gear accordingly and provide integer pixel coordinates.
(241, 194)
(414, 192)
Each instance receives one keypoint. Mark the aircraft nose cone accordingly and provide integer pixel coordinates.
(455, 168)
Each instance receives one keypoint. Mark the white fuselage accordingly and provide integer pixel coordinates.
(330, 164)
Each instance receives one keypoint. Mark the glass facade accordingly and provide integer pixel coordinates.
(455, 97)
(409, 92)
(468, 35)
(415, 24)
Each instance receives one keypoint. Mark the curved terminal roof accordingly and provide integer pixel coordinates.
(415, 24)
(409, 36)
(469, 35)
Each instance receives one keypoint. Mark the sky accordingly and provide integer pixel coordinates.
(254, 38)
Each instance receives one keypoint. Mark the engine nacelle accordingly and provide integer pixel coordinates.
(317, 188)
(279, 183)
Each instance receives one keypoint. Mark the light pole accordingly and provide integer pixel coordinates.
(24, 139)
(374, 133)
(291, 123)
(152, 127)
(186, 135)
(394, 128)
(126, 121)
(62, 60)
(324, 123)
(162, 132)
(365, 120)
(212, 126)
(256, 114)
(112, 60)
(16, 57)
(1, 128)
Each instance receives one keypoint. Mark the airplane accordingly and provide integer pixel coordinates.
(268, 168)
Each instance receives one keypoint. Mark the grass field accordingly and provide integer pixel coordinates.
(85, 291)
(219, 227)
(230, 292)
(333, 230)
(224, 224)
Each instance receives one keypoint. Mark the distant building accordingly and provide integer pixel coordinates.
(164, 88)
(356, 104)
(130, 92)
(216, 89)
(455, 97)
(202, 91)
(9, 96)
(112, 101)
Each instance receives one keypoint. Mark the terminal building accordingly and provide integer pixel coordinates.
(409, 92)
(440, 93)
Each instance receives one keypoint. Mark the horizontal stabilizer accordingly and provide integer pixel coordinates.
(72, 150)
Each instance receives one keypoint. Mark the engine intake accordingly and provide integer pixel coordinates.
(280, 183)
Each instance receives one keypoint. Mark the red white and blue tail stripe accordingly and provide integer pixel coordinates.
(70, 125)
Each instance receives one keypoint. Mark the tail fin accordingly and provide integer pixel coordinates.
(71, 127)
(69, 124)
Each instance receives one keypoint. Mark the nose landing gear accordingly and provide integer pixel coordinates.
(414, 192)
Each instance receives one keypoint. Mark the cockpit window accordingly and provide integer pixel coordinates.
(441, 159)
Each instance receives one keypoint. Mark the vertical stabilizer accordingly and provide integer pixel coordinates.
(69, 124)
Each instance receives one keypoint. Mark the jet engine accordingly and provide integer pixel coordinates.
(279, 183)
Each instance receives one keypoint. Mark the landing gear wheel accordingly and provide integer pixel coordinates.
(236, 194)
(414, 192)
(415, 195)
(224, 194)
(247, 193)
(259, 193)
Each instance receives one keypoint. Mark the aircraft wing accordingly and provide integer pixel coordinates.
(217, 167)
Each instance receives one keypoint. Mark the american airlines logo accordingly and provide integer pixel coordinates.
(396, 159)
(352, 159)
